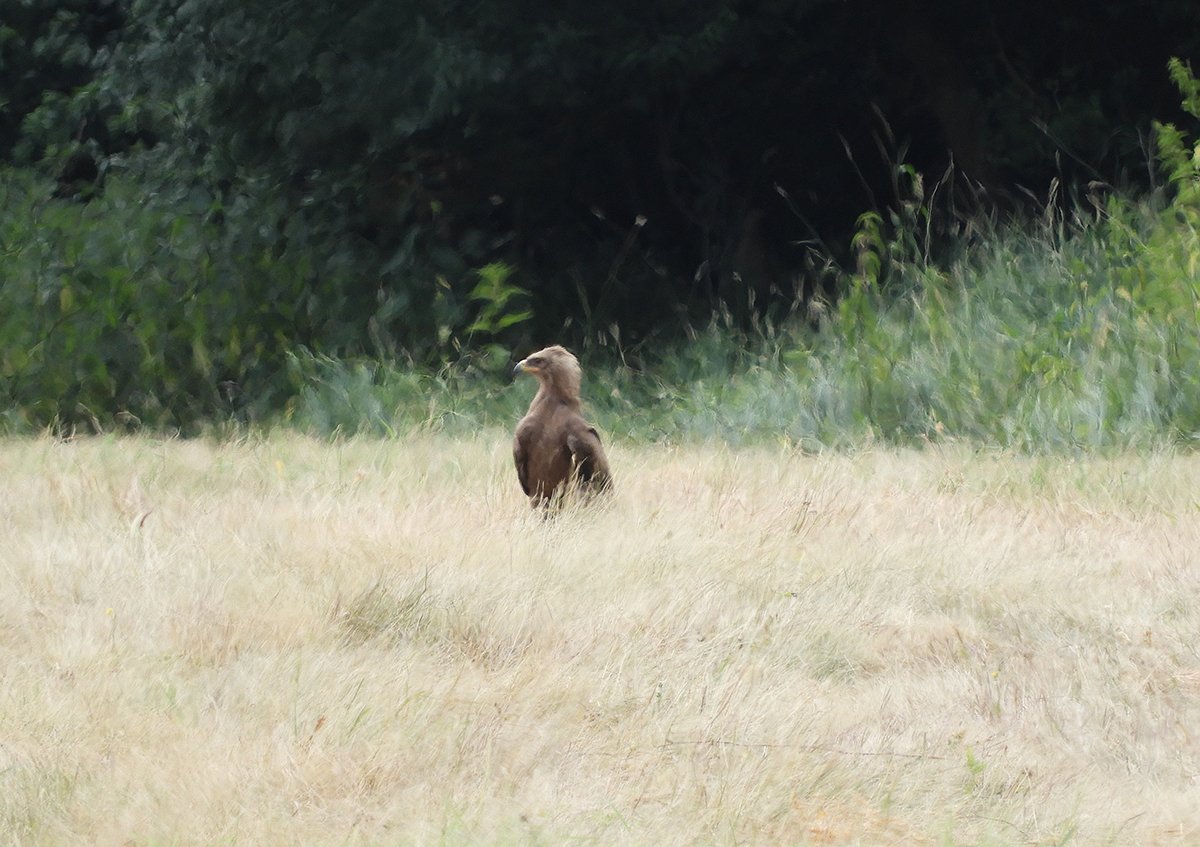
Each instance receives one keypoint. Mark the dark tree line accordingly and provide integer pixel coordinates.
(622, 162)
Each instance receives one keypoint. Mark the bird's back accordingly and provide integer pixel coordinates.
(552, 445)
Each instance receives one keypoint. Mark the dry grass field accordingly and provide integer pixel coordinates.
(283, 641)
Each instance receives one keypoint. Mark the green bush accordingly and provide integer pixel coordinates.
(123, 310)
(1067, 333)
(1074, 331)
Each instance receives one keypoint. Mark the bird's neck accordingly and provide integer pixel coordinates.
(551, 395)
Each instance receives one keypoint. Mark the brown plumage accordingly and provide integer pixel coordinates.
(555, 449)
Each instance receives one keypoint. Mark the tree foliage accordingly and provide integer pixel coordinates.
(411, 180)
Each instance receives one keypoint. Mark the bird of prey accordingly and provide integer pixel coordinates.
(555, 449)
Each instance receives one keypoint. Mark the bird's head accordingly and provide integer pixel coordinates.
(555, 368)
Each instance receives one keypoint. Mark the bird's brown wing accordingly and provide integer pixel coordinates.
(587, 454)
(521, 460)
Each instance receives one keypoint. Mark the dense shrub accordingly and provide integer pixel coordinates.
(1075, 331)
(127, 310)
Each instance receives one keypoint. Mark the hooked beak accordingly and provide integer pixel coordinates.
(520, 368)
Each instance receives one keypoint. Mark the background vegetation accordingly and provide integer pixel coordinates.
(352, 215)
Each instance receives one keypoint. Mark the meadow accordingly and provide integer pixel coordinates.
(911, 563)
(278, 639)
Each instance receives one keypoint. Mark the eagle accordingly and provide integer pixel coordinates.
(555, 449)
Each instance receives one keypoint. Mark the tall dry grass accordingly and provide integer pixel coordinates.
(285, 641)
